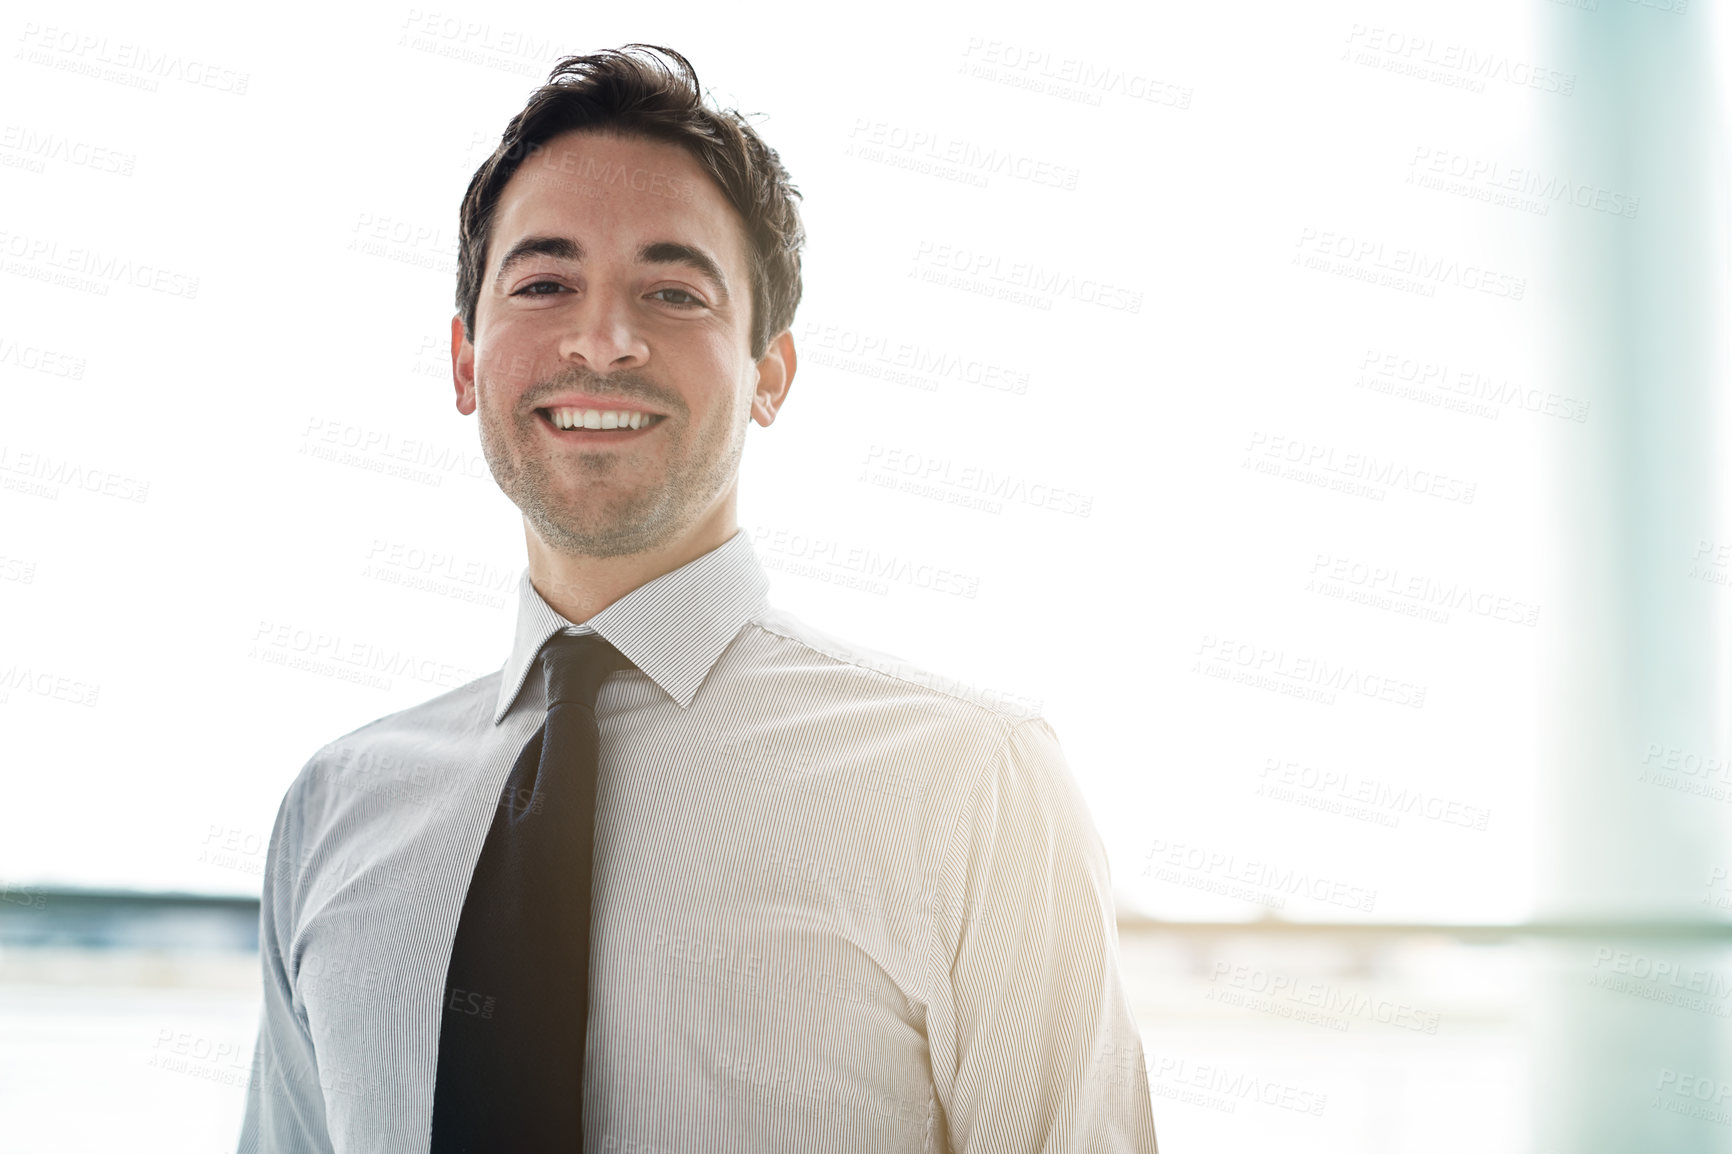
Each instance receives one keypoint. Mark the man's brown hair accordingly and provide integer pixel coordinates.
(649, 91)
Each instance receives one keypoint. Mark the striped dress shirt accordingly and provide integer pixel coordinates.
(839, 904)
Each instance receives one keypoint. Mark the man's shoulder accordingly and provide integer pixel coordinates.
(398, 742)
(463, 710)
(810, 650)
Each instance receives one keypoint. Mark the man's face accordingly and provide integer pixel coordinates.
(616, 281)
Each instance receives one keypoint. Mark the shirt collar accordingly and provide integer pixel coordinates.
(674, 628)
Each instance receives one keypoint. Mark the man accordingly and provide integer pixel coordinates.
(826, 906)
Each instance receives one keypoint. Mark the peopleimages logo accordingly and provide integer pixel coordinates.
(1456, 65)
(1319, 1003)
(942, 473)
(1235, 1085)
(904, 362)
(1264, 666)
(135, 65)
(1351, 471)
(1419, 594)
(882, 141)
(1462, 389)
(1021, 280)
(1513, 185)
(90, 268)
(1370, 259)
(1067, 77)
(1166, 857)
(1380, 801)
(812, 556)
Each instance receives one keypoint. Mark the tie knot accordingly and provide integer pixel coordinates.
(577, 665)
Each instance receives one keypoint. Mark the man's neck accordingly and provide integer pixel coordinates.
(579, 587)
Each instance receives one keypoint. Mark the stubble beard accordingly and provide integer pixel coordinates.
(549, 488)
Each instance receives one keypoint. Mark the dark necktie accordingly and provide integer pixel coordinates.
(516, 1007)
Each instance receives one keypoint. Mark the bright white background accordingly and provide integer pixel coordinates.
(317, 211)
(1237, 171)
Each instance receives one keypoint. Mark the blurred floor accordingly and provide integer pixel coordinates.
(1304, 1043)
(109, 1050)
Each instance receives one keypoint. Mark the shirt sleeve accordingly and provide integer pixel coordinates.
(285, 1108)
(1033, 1046)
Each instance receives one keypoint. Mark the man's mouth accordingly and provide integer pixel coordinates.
(622, 420)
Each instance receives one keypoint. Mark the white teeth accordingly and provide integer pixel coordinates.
(599, 419)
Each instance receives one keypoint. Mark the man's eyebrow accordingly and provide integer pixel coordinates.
(558, 247)
(672, 252)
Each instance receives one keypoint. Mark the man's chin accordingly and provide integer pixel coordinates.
(582, 534)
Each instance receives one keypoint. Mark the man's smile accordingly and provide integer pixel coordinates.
(596, 425)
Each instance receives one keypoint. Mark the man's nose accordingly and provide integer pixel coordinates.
(603, 333)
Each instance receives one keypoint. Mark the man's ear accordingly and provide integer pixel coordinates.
(462, 367)
(775, 375)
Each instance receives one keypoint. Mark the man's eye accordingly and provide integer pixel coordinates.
(690, 299)
(530, 289)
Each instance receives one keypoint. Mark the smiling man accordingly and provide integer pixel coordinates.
(686, 873)
(624, 470)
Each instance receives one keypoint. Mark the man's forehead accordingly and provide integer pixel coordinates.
(605, 180)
